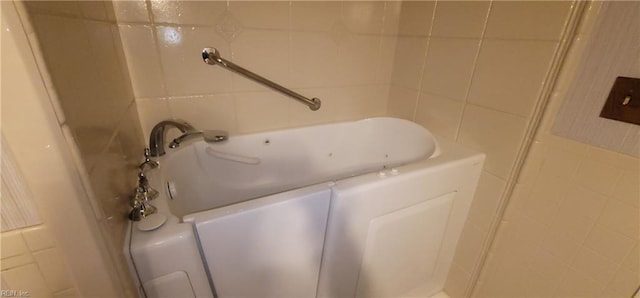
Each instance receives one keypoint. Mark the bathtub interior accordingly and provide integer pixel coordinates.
(204, 176)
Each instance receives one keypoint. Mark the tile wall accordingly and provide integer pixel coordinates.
(572, 225)
(340, 52)
(32, 262)
(88, 81)
(473, 72)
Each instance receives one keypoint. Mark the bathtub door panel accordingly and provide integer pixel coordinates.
(401, 250)
(268, 247)
(370, 218)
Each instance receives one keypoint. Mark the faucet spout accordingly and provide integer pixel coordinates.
(158, 133)
(210, 136)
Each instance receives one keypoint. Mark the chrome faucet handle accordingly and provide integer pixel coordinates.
(148, 163)
(141, 210)
(144, 191)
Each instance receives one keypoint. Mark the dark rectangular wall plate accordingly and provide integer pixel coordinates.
(623, 103)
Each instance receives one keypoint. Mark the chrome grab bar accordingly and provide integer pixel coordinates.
(211, 56)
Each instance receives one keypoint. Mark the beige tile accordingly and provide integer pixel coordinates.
(54, 269)
(17, 261)
(143, 61)
(416, 18)
(547, 271)
(527, 19)
(609, 244)
(495, 133)
(627, 188)
(27, 278)
(312, 59)
(314, 16)
(457, 282)
(615, 159)
(594, 266)
(180, 52)
(68, 293)
(439, 115)
(130, 136)
(387, 57)
(392, 14)
(363, 16)
(262, 111)
(576, 284)
(560, 246)
(151, 111)
(623, 284)
(469, 247)
(187, 12)
(402, 102)
(449, 66)
(252, 14)
(460, 18)
(206, 112)
(598, 176)
(38, 238)
(486, 200)
(510, 74)
(368, 101)
(410, 54)
(70, 8)
(632, 261)
(583, 202)
(357, 62)
(131, 11)
(95, 10)
(560, 163)
(13, 244)
(359, 102)
(622, 218)
(263, 52)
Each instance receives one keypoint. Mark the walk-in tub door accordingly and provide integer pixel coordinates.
(394, 236)
(268, 247)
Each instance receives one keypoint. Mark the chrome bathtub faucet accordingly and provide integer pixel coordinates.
(158, 134)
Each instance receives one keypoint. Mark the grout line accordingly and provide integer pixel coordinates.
(473, 72)
(424, 62)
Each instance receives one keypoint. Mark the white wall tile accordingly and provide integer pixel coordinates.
(495, 133)
(27, 278)
(314, 16)
(449, 66)
(527, 19)
(409, 59)
(262, 111)
(402, 102)
(460, 18)
(263, 52)
(131, 11)
(151, 111)
(440, 115)
(187, 12)
(54, 269)
(363, 16)
(252, 14)
(510, 74)
(38, 238)
(181, 54)
(143, 60)
(416, 18)
(209, 112)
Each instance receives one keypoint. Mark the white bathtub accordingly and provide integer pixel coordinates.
(363, 208)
